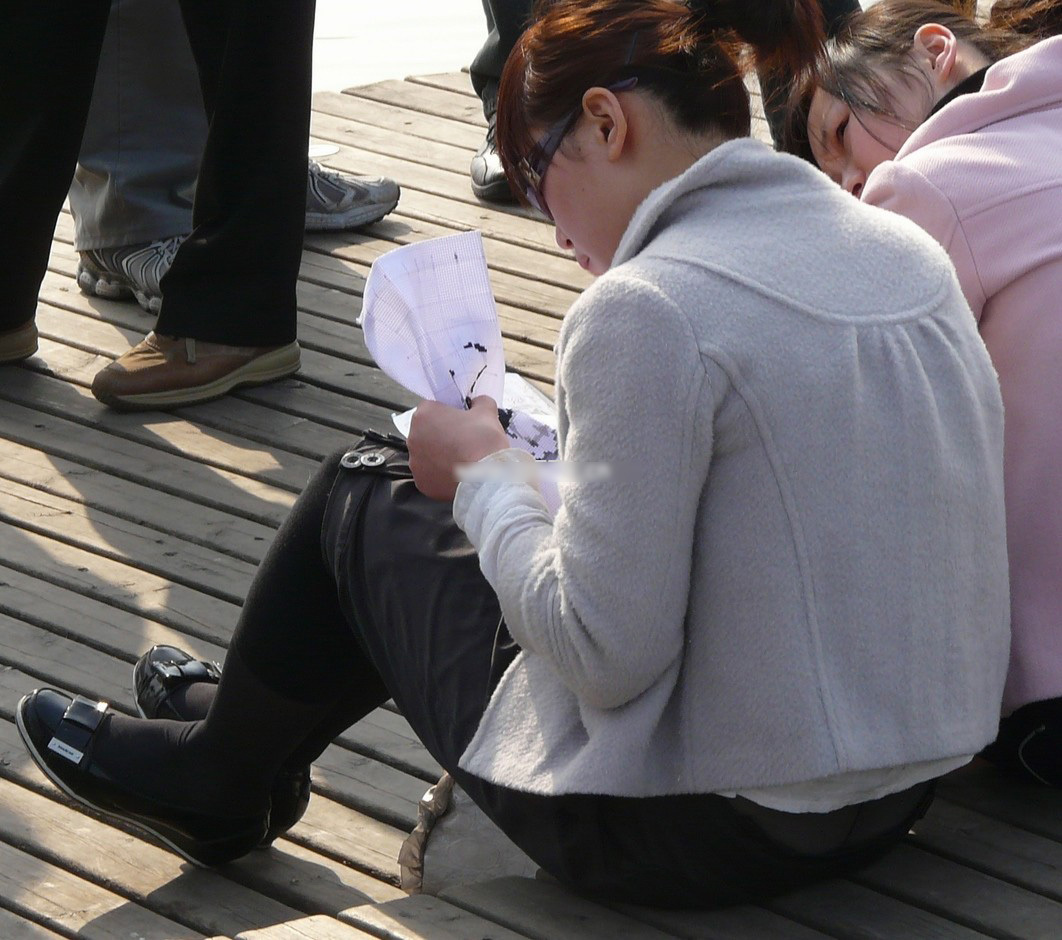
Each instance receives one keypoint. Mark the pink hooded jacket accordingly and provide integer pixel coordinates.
(984, 176)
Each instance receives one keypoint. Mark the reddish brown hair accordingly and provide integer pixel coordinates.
(688, 56)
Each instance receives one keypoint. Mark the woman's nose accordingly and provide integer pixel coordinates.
(563, 241)
(852, 179)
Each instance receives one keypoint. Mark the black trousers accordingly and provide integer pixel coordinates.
(234, 280)
(506, 20)
(372, 591)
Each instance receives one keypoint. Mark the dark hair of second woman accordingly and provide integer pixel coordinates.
(689, 56)
(880, 38)
(1036, 18)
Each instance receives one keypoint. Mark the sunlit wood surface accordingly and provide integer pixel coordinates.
(121, 531)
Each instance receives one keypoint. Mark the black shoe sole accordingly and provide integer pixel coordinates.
(207, 856)
(497, 191)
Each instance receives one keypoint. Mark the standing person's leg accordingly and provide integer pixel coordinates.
(775, 88)
(506, 20)
(132, 193)
(228, 317)
(49, 52)
(135, 183)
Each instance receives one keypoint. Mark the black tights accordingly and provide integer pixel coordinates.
(294, 670)
(293, 634)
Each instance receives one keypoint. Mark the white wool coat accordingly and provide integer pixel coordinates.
(797, 568)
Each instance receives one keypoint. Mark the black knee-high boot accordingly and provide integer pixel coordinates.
(292, 660)
(293, 643)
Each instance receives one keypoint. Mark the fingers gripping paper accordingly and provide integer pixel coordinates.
(431, 324)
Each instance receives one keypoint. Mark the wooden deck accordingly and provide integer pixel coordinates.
(120, 531)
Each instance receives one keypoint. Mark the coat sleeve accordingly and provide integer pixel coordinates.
(905, 191)
(600, 591)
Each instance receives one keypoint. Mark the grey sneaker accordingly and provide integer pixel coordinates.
(335, 202)
(132, 270)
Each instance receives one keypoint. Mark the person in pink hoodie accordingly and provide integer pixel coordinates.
(916, 108)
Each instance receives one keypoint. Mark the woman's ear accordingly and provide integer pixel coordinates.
(604, 113)
(936, 49)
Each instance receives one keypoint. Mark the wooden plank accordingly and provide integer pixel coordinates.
(288, 872)
(152, 877)
(121, 585)
(366, 785)
(51, 660)
(415, 125)
(369, 786)
(66, 903)
(544, 910)
(343, 264)
(983, 788)
(167, 556)
(458, 82)
(529, 340)
(424, 99)
(309, 880)
(89, 622)
(371, 137)
(103, 340)
(852, 912)
(333, 278)
(733, 923)
(242, 461)
(13, 927)
(965, 896)
(552, 292)
(993, 847)
(40, 411)
(100, 491)
(422, 917)
(354, 838)
(388, 737)
(315, 927)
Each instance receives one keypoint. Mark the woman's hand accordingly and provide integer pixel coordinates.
(441, 437)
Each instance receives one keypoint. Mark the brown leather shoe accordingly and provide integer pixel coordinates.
(19, 343)
(164, 371)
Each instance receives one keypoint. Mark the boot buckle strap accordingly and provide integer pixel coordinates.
(80, 721)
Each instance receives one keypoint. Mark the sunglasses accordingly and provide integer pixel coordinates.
(533, 167)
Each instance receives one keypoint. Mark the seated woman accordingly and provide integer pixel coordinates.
(737, 663)
(916, 108)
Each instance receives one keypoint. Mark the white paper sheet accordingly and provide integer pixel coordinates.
(430, 321)
(431, 324)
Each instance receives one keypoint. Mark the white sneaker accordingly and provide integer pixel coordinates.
(335, 201)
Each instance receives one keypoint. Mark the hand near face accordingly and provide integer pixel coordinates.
(441, 437)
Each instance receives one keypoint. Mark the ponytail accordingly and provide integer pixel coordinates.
(781, 33)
